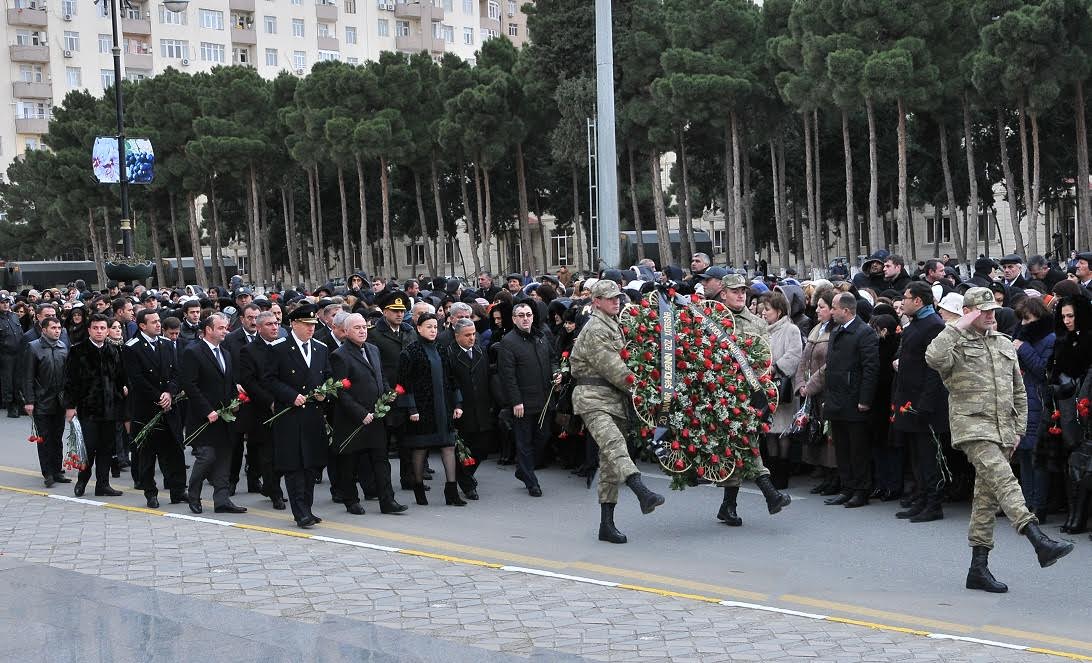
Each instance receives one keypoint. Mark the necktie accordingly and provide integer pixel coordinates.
(220, 359)
(306, 349)
(249, 338)
(364, 354)
(470, 354)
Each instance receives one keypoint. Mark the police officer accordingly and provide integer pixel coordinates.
(601, 397)
(979, 365)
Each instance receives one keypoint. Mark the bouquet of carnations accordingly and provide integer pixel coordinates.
(153, 424)
(329, 388)
(226, 413)
(34, 438)
(75, 453)
(382, 408)
(462, 453)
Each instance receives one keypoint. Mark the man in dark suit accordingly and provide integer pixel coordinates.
(470, 371)
(42, 388)
(852, 367)
(233, 344)
(1012, 266)
(206, 379)
(300, 365)
(324, 329)
(1041, 270)
(923, 428)
(390, 336)
(94, 390)
(360, 453)
(153, 384)
(254, 360)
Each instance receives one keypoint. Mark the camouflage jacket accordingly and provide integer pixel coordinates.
(595, 357)
(745, 321)
(988, 401)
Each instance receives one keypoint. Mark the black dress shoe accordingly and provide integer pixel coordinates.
(307, 522)
(841, 499)
(471, 494)
(534, 491)
(78, 489)
(254, 487)
(316, 518)
(229, 508)
(107, 491)
(195, 506)
(859, 499)
(60, 478)
(180, 499)
(392, 507)
(49, 482)
(153, 503)
(337, 499)
(355, 508)
(115, 472)
(278, 503)
(371, 498)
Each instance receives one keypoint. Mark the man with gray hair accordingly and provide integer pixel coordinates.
(419, 309)
(337, 329)
(699, 262)
(458, 311)
(470, 371)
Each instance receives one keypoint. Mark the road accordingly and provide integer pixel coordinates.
(861, 564)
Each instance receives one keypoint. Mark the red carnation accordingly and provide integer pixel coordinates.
(631, 378)
(679, 465)
(714, 459)
(345, 384)
(675, 445)
(243, 398)
(700, 471)
(399, 389)
(1056, 415)
(565, 355)
(1054, 430)
(691, 449)
(623, 353)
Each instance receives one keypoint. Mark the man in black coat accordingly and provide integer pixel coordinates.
(1012, 268)
(924, 423)
(244, 335)
(894, 273)
(191, 324)
(42, 387)
(390, 336)
(1041, 270)
(300, 365)
(94, 390)
(470, 370)
(852, 366)
(153, 384)
(253, 363)
(207, 380)
(360, 439)
(526, 366)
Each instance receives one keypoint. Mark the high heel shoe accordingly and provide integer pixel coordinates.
(451, 494)
(419, 494)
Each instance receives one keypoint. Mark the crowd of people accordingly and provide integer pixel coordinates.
(456, 371)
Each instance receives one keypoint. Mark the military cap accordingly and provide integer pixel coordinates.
(713, 273)
(733, 281)
(605, 289)
(243, 292)
(1012, 259)
(304, 313)
(395, 300)
(980, 298)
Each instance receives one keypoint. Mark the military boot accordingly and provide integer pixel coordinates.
(916, 507)
(775, 499)
(1046, 549)
(933, 511)
(648, 499)
(979, 576)
(607, 531)
(727, 511)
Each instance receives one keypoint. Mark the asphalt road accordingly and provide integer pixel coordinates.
(861, 564)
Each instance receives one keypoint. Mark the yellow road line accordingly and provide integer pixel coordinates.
(667, 580)
(27, 491)
(272, 530)
(1052, 652)
(1052, 639)
(881, 627)
(449, 558)
(669, 593)
(135, 509)
(881, 614)
(19, 470)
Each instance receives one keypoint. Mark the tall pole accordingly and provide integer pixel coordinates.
(606, 143)
(123, 175)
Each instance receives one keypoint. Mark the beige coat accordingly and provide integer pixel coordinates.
(812, 372)
(785, 348)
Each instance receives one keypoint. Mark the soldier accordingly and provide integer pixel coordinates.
(600, 396)
(979, 364)
(733, 294)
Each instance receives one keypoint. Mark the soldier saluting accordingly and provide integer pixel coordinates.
(601, 397)
(978, 364)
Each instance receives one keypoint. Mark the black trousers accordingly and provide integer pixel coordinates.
(99, 436)
(351, 469)
(260, 444)
(162, 446)
(924, 452)
(253, 460)
(211, 463)
(530, 441)
(852, 449)
(7, 380)
(300, 485)
(51, 427)
(478, 444)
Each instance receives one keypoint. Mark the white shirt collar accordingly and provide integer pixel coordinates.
(211, 346)
(149, 339)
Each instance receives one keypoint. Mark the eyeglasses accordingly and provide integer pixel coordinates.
(524, 315)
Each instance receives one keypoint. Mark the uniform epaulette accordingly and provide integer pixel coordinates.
(315, 340)
(277, 342)
(133, 341)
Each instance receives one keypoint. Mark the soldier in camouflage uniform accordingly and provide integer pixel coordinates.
(988, 414)
(733, 294)
(601, 398)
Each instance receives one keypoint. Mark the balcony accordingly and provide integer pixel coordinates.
(28, 53)
(138, 60)
(326, 13)
(327, 43)
(419, 11)
(241, 5)
(24, 90)
(31, 125)
(418, 43)
(30, 17)
(493, 24)
(136, 26)
(244, 36)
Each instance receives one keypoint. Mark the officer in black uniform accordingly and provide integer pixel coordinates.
(390, 335)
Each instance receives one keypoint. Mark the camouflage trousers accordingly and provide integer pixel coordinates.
(994, 486)
(736, 480)
(615, 465)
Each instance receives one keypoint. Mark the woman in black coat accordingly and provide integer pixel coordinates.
(433, 403)
(886, 454)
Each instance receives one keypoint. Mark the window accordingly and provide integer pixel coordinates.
(931, 230)
(448, 5)
(384, 28)
(137, 74)
(104, 9)
(468, 6)
(488, 34)
(297, 3)
(349, 6)
(133, 14)
(984, 222)
(447, 33)
(401, 28)
(297, 27)
(350, 35)
(31, 73)
(468, 36)
(240, 55)
(105, 43)
(174, 48)
(494, 10)
(511, 7)
(32, 110)
(106, 78)
(559, 248)
(513, 30)
(68, 7)
(352, 60)
(242, 21)
(211, 19)
(71, 40)
(73, 77)
(271, 57)
(718, 241)
(415, 254)
(167, 17)
(326, 56)
(32, 143)
(270, 25)
(299, 59)
(323, 29)
(211, 52)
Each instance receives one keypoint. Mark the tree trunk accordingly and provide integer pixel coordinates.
(422, 222)
(1084, 224)
(817, 229)
(949, 190)
(906, 235)
(729, 185)
(288, 209)
(110, 248)
(257, 259)
(313, 271)
(972, 183)
(96, 249)
(875, 228)
(195, 242)
(179, 277)
(468, 218)
(153, 227)
(780, 226)
(385, 197)
(737, 198)
(527, 256)
(686, 219)
(441, 232)
(853, 241)
(486, 240)
(268, 273)
(750, 246)
(1006, 169)
(346, 248)
(217, 259)
(662, 236)
(483, 233)
(578, 230)
(365, 244)
(637, 227)
(1036, 183)
(1031, 211)
(809, 193)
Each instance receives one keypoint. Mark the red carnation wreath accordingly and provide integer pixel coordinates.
(712, 429)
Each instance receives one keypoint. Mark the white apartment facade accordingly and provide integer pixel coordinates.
(54, 46)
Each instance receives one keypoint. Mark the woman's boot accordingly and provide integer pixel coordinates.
(451, 494)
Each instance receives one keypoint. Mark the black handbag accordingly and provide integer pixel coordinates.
(784, 390)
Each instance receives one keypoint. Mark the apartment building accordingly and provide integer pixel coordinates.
(55, 46)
